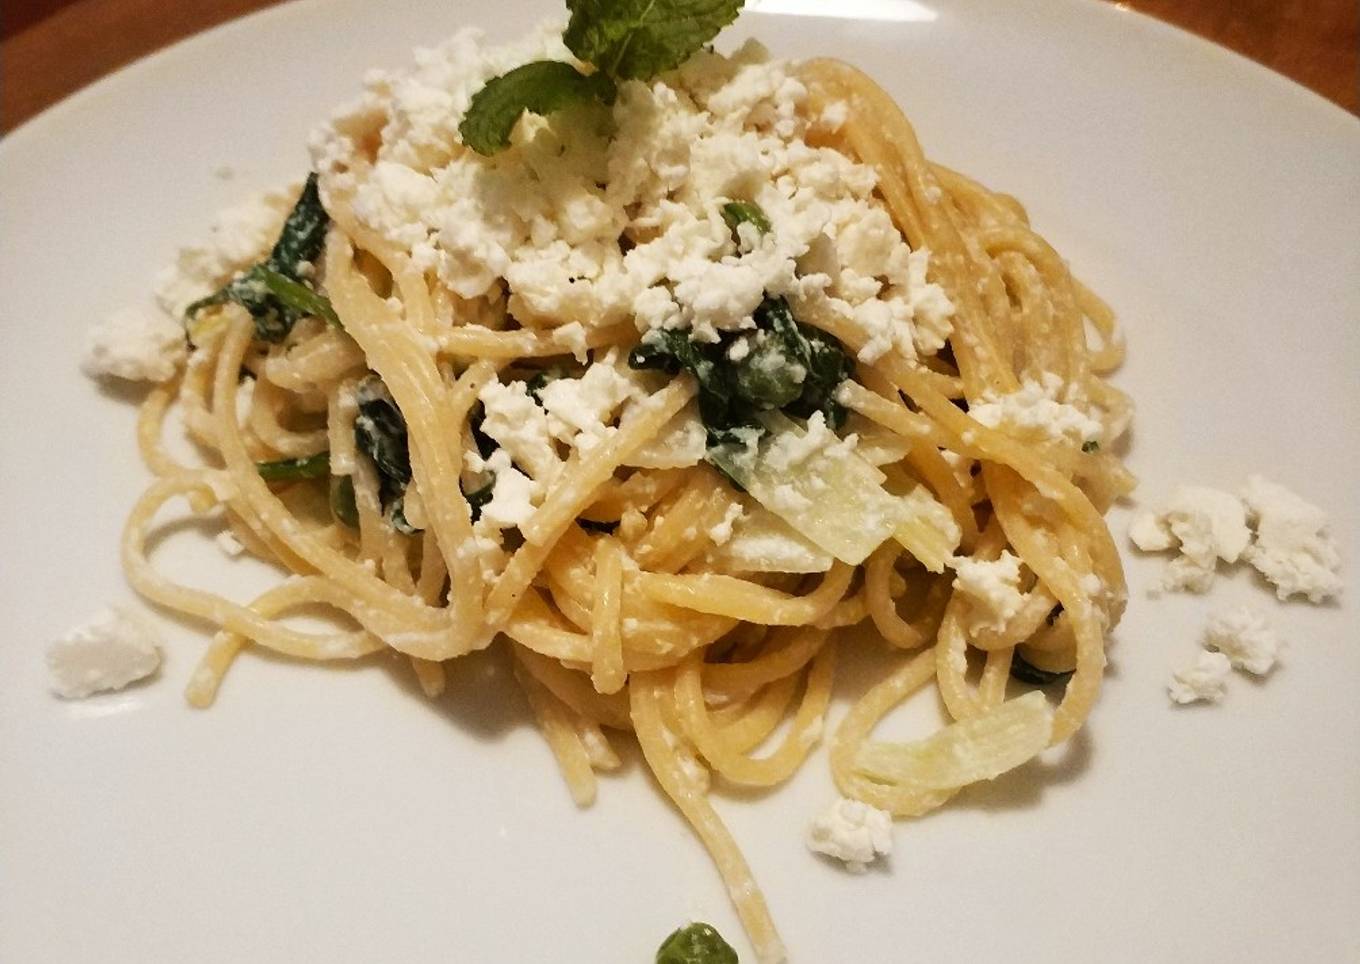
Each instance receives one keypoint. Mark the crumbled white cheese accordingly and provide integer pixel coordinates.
(536, 230)
(1245, 637)
(512, 495)
(1205, 679)
(1040, 410)
(139, 344)
(788, 451)
(834, 115)
(853, 832)
(1292, 548)
(1204, 525)
(230, 545)
(519, 426)
(110, 651)
(573, 337)
(1150, 533)
(580, 409)
(931, 309)
(992, 588)
(238, 237)
(721, 532)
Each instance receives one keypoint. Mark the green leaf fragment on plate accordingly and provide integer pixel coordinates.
(698, 943)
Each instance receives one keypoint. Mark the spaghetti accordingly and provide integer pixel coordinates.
(621, 589)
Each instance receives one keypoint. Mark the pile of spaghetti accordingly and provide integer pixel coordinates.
(662, 396)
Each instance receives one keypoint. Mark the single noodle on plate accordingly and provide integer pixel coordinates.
(662, 374)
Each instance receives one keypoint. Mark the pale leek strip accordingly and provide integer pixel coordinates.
(834, 498)
(981, 748)
(928, 530)
(763, 542)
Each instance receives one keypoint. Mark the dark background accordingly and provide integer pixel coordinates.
(51, 48)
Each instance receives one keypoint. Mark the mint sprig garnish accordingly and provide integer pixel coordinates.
(621, 39)
(543, 87)
(638, 39)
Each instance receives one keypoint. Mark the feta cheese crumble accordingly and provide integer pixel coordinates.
(537, 229)
(512, 494)
(519, 426)
(992, 588)
(1292, 548)
(1206, 679)
(579, 409)
(1039, 411)
(852, 832)
(1278, 532)
(721, 532)
(110, 651)
(1245, 637)
(227, 542)
(238, 237)
(1204, 525)
(138, 344)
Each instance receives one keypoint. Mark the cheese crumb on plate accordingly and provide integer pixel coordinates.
(107, 653)
(136, 344)
(1245, 637)
(853, 832)
(1292, 548)
(1206, 679)
(1204, 525)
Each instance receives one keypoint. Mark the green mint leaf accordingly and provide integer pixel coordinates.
(304, 232)
(638, 39)
(542, 87)
(316, 466)
(696, 944)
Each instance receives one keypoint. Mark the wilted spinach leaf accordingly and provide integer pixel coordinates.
(316, 466)
(256, 290)
(1026, 672)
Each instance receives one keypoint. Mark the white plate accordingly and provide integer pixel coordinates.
(337, 816)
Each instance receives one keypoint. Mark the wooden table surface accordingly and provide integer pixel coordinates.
(52, 48)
